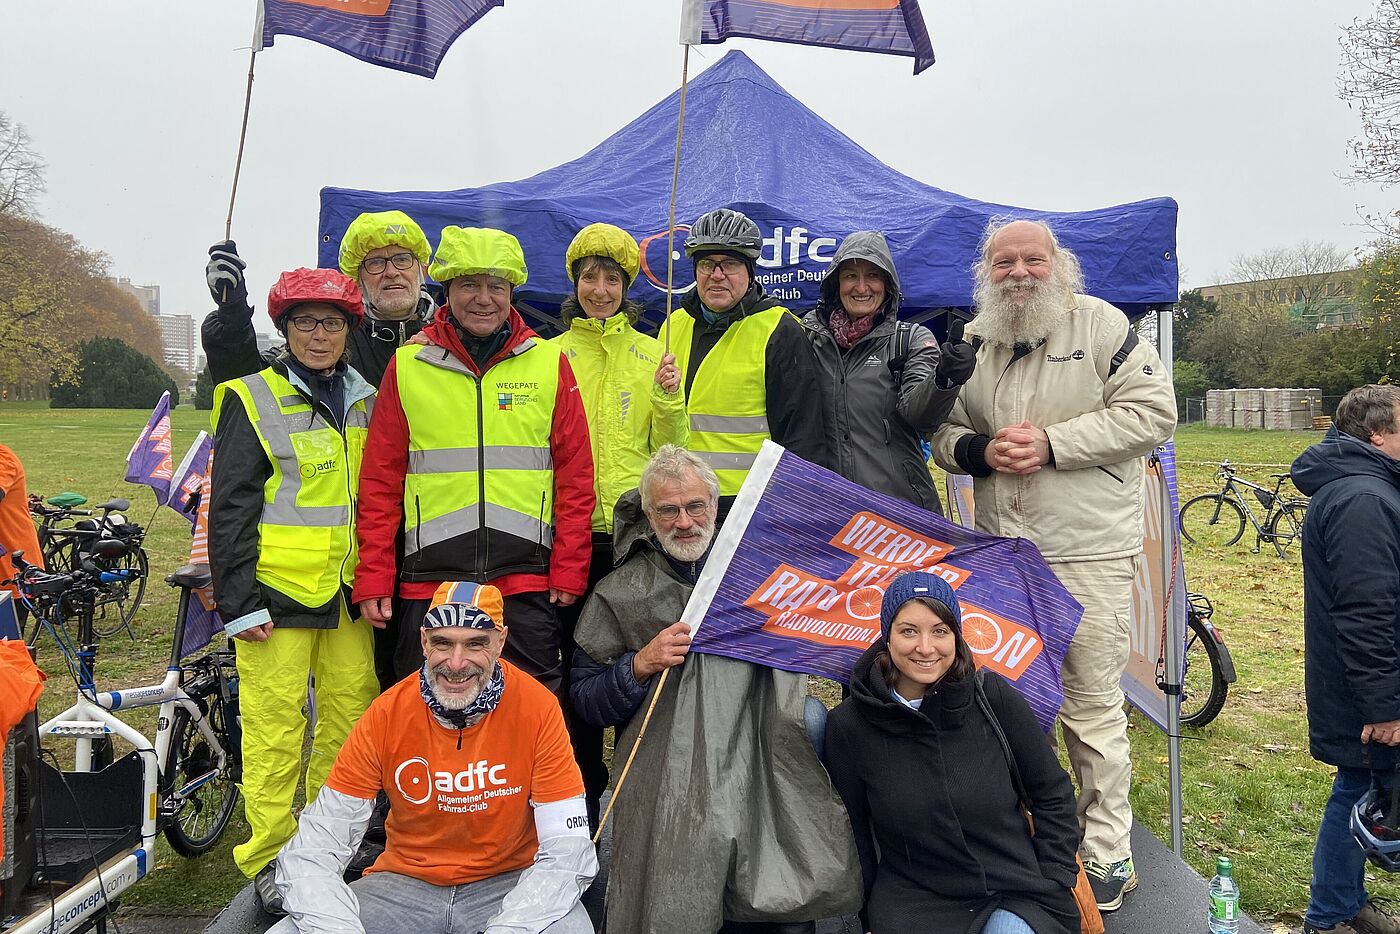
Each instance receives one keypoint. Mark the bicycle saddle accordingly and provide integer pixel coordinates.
(193, 576)
(115, 505)
(1280, 476)
(67, 500)
(109, 548)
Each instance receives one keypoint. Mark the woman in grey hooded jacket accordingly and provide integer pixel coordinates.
(886, 384)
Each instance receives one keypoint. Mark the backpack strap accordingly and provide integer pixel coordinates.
(903, 341)
(1129, 345)
(986, 706)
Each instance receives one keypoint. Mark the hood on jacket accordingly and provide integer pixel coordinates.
(870, 246)
(570, 309)
(631, 530)
(1340, 455)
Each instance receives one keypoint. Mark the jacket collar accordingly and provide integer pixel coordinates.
(945, 706)
(572, 313)
(754, 301)
(357, 388)
(445, 347)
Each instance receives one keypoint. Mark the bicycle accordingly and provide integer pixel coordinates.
(1207, 668)
(66, 535)
(182, 783)
(1216, 520)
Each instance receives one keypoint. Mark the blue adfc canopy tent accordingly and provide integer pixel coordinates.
(750, 145)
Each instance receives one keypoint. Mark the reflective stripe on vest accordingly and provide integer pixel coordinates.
(470, 436)
(728, 400)
(306, 539)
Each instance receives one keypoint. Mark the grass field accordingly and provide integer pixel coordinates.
(1251, 790)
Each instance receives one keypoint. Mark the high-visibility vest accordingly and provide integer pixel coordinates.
(728, 398)
(306, 536)
(478, 493)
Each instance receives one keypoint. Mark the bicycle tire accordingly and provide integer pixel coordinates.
(1211, 520)
(125, 596)
(1202, 695)
(1290, 516)
(196, 827)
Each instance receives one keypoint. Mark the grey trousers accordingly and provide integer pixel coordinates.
(391, 903)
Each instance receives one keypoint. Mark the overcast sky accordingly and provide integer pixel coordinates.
(1228, 107)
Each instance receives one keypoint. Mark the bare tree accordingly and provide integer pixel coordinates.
(1305, 278)
(21, 170)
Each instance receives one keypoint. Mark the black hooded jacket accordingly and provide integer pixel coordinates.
(1351, 597)
(933, 790)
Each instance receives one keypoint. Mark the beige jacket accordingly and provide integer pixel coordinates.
(1087, 505)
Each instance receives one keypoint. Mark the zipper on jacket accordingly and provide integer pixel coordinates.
(417, 533)
(482, 532)
(539, 544)
(350, 492)
(1111, 474)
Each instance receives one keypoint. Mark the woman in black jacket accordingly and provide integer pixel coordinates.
(915, 756)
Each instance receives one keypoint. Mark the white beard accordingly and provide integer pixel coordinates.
(692, 549)
(1000, 320)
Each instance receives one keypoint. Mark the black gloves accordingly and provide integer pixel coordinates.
(225, 274)
(957, 358)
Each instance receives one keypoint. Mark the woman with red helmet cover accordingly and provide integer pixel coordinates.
(288, 443)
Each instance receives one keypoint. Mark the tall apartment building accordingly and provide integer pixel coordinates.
(177, 337)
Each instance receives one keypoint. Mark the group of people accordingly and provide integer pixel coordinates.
(477, 545)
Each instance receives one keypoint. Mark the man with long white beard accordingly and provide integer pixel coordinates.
(727, 821)
(1053, 426)
(487, 825)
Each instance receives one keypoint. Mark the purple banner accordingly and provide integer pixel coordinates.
(798, 572)
(895, 27)
(187, 485)
(406, 35)
(148, 462)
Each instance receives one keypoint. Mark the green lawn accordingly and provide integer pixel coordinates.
(1251, 790)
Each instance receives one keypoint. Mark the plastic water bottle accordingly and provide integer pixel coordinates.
(1224, 899)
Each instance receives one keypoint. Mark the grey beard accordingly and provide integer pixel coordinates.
(691, 550)
(1001, 321)
(455, 701)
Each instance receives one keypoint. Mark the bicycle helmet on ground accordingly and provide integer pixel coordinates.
(724, 231)
(371, 231)
(604, 240)
(1373, 824)
(315, 285)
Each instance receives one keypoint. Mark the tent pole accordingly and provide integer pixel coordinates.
(675, 181)
(242, 137)
(632, 754)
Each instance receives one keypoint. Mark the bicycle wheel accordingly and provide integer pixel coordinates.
(1203, 688)
(1285, 527)
(1211, 520)
(196, 823)
(123, 598)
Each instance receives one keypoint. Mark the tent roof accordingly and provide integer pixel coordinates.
(750, 145)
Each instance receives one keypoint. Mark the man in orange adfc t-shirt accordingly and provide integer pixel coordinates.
(16, 526)
(487, 827)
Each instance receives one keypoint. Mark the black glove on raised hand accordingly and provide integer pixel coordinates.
(957, 358)
(225, 274)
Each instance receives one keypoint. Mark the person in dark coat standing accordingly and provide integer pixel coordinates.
(1351, 631)
(885, 383)
(914, 754)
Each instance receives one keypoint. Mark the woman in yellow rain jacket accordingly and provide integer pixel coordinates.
(632, 395)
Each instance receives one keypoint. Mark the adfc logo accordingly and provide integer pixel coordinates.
(654, 260)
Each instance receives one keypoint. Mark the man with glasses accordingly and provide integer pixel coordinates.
(727, 812)
(384, 252)
(750, 373)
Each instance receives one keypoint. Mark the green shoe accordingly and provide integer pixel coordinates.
(1110, 882)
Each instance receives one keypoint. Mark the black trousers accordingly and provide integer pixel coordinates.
(532, 643)
(587, 740)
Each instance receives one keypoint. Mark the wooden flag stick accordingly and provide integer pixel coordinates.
(242, 136)
(675, 182)
(617, 789)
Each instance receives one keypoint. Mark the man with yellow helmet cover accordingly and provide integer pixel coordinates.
(478, 455)
(631, 392)
(384, 251)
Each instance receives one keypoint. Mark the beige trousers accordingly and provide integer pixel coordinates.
(1092, 719)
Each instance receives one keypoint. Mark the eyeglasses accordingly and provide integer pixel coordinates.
(729, 267)
(376, 264)
(696, 509)
(307, 323)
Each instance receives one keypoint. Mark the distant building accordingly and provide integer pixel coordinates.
(1320, 300)
(266, 342)
(178, 340)
(147, 295)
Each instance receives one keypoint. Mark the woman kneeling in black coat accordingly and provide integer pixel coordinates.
(916, 758)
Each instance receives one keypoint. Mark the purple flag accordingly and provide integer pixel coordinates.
(895, 27)
(407, 35)
(149, 461)
(187, 485)
(797, 574)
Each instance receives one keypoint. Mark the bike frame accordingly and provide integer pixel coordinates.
(1231, 489)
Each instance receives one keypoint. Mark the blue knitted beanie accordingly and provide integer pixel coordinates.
(913, 584)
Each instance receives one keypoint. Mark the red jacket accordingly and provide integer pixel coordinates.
(379, 515)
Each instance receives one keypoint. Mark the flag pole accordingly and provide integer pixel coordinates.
(242, 137)
(675, 182)
(642, 731)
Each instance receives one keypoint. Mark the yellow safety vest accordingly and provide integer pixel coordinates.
(728, 399)
(478, 494)
(306, 536)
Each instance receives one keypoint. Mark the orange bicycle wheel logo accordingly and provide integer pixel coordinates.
(864, 603)
(981, 633)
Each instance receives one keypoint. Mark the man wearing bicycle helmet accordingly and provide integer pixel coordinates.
(479, 456)
(1351, 633)
(749, 372)
(384, 252)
